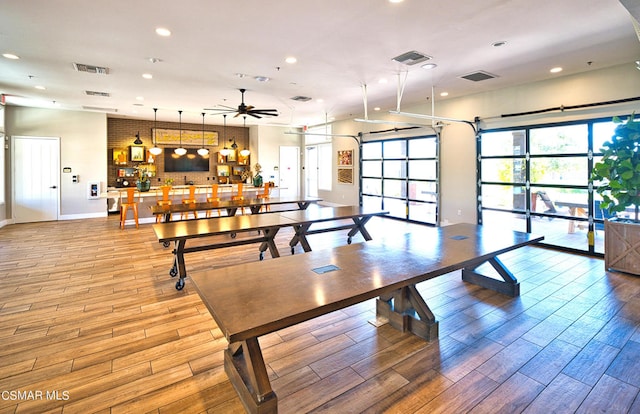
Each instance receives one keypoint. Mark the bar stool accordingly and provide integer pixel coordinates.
(264, 195)
(213, 197)
(163, 198)
(132, 200)
(189, 197)
(239, 196)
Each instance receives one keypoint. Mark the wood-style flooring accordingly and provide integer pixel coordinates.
(90, 322)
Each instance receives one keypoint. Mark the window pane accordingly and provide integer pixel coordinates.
(371, 202)
(422, 148)
(566, 139)
(504, 197)
(502, 143)
(561, 232)
(422, 169)
(504, 170)
(372, 150)
(422, 212)
(557, 170)
(602, 131)
(423, 190)
(502, 220)
(396, 208)
(560, 201)
(372, 168)
(372, 186)
(395, 149)
(395, 188)
(395, 169)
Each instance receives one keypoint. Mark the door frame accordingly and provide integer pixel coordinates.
(13, 171)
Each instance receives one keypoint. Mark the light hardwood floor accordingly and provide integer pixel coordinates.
(88, 311)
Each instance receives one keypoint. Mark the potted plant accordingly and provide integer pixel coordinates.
(257, 179)
(617, 177)
(143, 183)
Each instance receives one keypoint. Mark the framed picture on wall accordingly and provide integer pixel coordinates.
(345, 176)
(137, 153)
(345, 157)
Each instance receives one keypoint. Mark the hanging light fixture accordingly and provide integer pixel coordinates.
(203, 151)
(225, 151)
(155, 150)
(245, 152)
(138, 141)
(180, 151)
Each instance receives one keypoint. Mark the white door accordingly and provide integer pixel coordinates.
(311, 171)
(289, 171)
(36, 183)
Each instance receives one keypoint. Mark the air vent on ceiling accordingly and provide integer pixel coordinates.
(411, 58)
(81, 67)
(99, 109)
(96, 93)
(301, 98)
(478, 76)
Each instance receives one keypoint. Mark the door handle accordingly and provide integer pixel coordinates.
(54, 186)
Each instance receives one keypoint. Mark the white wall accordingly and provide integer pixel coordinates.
(458, 146)
(83, 148)
(269, 139)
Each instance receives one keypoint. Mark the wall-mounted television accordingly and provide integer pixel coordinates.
(191, 161)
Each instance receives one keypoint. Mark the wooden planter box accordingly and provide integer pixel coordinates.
(622, 246)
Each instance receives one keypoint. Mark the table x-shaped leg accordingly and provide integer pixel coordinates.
(408, 312)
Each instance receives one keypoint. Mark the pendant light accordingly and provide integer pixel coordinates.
(203, 151)
(155, 150)
(180, 151)
(245, 152)
(225, 151)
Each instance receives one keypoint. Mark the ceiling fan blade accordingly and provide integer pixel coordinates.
(253, 114)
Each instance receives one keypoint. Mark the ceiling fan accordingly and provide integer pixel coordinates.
(244, 109)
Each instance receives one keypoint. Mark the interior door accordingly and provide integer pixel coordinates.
(36, 179)
(289, 171)
(311, 171)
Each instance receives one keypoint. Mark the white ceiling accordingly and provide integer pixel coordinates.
(339, 45)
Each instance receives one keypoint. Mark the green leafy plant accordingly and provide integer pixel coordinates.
(618, 173)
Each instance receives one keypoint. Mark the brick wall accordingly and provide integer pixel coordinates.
(122, 132)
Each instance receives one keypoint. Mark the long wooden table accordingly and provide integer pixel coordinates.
(266, 224)
(277, 294)
(231, 206)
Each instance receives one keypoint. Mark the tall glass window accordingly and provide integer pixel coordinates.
(401, 176)
(537, 179)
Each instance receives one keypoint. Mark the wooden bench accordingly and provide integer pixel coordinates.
(267, 226)
(251, 300)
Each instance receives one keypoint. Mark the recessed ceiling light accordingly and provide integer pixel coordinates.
(291, 60)
(320, 100)
(382, 80)
(429, 66)
(42, 88)
(396, 1)
(11, 56)
(444, 93)
(139, 98)
(161, 31)
(556, 69)
(377, 108)
(147, 76)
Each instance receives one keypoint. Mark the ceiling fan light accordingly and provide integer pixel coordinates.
(155, 150)
(203, 151)
(180, 151)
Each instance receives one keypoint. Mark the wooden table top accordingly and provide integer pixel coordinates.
(253, 299)
(179, 207)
